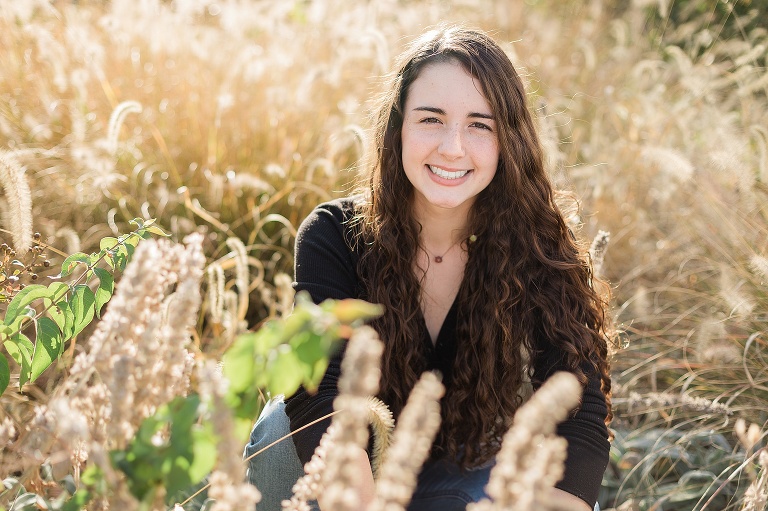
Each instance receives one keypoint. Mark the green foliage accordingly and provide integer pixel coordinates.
(176, 447)
(285, 354)
(671, 470)
(91, 483)
(67, 309)
(171, 450)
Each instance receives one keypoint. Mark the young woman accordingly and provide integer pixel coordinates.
(458, 235)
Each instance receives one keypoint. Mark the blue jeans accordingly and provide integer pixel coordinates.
(441, 485)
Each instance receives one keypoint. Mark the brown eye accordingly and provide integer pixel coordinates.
(481, 125)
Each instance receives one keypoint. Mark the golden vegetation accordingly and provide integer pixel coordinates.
(234, 118)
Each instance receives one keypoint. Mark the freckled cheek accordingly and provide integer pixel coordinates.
(486, 150)
(417, 141)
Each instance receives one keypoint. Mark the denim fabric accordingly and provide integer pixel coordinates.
(276, 470)
(441, 486)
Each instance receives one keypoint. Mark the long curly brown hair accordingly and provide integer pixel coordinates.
(526, 280)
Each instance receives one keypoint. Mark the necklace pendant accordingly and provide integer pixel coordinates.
(438, 259)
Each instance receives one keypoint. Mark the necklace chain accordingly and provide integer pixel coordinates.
(439, 258)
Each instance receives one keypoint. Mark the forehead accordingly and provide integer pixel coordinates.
(447, 83)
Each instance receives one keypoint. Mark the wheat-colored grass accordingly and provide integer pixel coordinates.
(17, 207)
(255, 111)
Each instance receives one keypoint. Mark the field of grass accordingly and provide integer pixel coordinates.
(234, 118)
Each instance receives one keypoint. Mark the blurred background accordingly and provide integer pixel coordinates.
(236, 117)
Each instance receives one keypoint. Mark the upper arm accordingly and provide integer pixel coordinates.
(585, 430)
(324, 264)
(325, 267)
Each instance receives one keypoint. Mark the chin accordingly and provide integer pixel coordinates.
(448, 203)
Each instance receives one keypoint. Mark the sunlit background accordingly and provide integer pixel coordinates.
(235, 118)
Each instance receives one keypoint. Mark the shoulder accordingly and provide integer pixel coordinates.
(325, 260)
(332, 220)
(339, 212)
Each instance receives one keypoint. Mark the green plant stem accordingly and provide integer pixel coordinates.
(70, 286)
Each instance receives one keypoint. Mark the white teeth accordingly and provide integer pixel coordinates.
(448, 175)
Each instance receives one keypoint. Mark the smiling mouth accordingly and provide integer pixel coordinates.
(448, 175)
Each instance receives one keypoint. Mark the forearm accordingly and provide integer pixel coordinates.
(567, 502)
(365, 485)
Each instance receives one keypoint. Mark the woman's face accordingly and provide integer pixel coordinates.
(449, 138)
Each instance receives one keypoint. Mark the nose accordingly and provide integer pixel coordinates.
(451, 144)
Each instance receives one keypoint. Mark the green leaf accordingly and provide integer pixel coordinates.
(131, 242)
(20, 348)
(93, 477)
(182, 461)
(5, 373)
(138, 222)
(157, 230)
(77, 501)
(48, 347)
(16, 324)
(121, 259)
(285, 373)
(239, 367)
(94, 257)
(69, 319)
(23, 298)
(105, 289)
(25, 502)
(130, 249)
(203, 454)
(92, 483)
(58, 291)
(110, 259)
(71, 262)
(176, 471)
(109, 243)
(83, 306)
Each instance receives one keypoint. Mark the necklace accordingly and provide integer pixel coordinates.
(439, 258)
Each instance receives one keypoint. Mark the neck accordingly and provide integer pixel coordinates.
(440, 227)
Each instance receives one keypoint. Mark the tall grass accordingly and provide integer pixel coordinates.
(234, 118)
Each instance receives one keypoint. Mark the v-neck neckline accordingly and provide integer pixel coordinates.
(450, 317)
(441, 354)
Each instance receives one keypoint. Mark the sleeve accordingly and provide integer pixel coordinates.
(325, 267)
(585, 431)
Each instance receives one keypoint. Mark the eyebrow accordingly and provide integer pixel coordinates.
(440, 111)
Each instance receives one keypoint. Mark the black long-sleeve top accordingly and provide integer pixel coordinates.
(326, 267)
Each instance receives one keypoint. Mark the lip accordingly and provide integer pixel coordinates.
(445, 181)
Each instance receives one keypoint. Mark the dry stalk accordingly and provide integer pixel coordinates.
(135, 362)
(19, 200)
(215, 292)
(756, 496)
(360, 375)
(116, 120)
(531, 458)
(597, 251)
(382, 423)
(416, 429)
(241, 275)
(309, 486)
